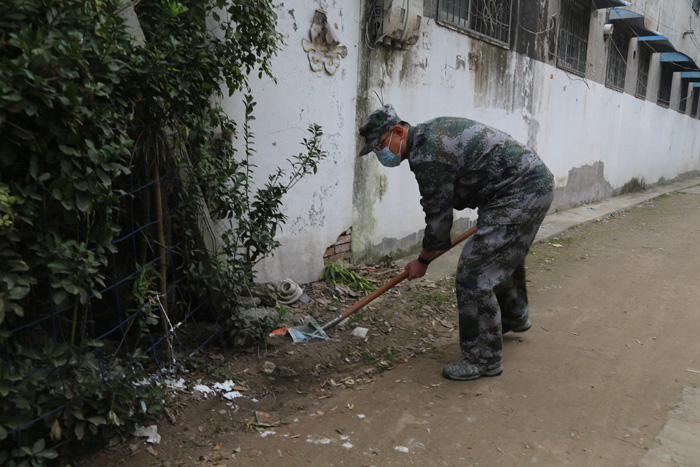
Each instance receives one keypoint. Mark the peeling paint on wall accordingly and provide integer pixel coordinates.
(315, 217)
(294, 24)
(584, 184)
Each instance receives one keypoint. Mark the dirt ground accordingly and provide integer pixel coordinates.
(615, 306)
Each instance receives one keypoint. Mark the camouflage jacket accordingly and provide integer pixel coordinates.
(459, 163)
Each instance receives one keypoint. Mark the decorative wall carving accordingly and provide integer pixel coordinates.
(324, 49)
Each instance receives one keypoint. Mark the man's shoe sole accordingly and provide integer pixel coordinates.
(522, 328)
(495, 372)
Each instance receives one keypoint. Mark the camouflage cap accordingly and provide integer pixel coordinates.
(379, 122)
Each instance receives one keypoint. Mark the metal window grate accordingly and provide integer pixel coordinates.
(682, 105)
(490, 18)
(694, 108)
(665, 86)
(617, 60)
(572, 44)
(643, 71)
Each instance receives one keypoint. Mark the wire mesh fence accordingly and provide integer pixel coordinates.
(144, 316)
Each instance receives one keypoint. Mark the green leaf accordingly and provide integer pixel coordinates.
(59, 297)
(66, 149)
(83, 201)
(22, 403)
(59, 266)
(18, 292)
(39, 446)
(47, 454)
(97, 420)
(104, 177)
(17, 265)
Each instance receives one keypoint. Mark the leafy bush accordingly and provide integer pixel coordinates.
(104, 138)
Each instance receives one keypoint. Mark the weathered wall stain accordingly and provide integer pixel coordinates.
(532, 29)
(314, 217)
(491, 73)
(294, 24)
(381, 186)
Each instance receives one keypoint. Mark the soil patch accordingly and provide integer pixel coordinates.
(258, 388)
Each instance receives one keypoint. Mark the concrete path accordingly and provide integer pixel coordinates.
(555, 224)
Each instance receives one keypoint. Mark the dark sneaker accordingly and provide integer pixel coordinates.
(519, 328)
(466, 371)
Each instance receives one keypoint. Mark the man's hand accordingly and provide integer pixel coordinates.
(416, 269)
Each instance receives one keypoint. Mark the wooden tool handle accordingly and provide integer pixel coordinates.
(389, 285)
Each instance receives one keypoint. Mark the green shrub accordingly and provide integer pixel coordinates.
(92, 126)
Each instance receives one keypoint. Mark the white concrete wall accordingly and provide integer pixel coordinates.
(319, 207)
(578, 126)
(581, 128)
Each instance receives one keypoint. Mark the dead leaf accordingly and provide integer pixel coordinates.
(56, 430)
(446, 323)
(217, 447)
(79, 431)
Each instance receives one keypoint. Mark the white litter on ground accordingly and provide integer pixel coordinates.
(267, 433)
(204, 389)
(225, 386)
(359, 415)
(150, 432)
(317, 440)
(232, 395)
(172, 384)
(347, 445)
(401, 449)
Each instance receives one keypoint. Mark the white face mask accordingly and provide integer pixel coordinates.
(388, 158)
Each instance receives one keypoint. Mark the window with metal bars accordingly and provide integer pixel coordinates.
(617, 60)
(572, 41)
(682, 105)
(694, 108)
(489, 18)
(643, 71)
(664, 98)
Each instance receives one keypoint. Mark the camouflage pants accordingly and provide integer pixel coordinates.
(490, 278)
